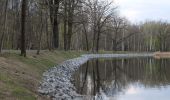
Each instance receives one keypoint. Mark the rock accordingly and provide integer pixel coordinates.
(57, 81)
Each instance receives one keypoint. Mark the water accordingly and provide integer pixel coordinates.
(124, 79)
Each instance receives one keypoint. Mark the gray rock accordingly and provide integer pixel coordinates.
(57, 80)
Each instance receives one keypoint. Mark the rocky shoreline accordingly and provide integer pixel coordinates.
(57, 81)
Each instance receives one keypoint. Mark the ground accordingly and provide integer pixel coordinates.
(159, 55)
(20, 77)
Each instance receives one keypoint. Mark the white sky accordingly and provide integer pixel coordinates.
(141, 10)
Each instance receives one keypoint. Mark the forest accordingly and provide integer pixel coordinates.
(87, 25)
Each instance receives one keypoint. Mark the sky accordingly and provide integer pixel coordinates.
(141, 10)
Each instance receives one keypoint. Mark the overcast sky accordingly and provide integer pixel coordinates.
(141, 10)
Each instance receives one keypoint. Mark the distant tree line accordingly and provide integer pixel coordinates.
(90, 25)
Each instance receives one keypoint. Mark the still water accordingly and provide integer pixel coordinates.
(124, 79)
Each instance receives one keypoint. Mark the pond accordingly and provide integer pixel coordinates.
(124, 79)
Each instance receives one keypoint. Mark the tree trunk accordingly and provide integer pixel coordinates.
(97, 41)
(55, 32)
(114, 43)
(65, 25)
(94, 39)
(70, 26)
(55, 27)
(23, 24)
(54, 7)
(86, 37)
(47, 33)
(40, 36)
(4, 29)
(70, 29)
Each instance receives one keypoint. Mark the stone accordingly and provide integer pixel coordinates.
(57, 81)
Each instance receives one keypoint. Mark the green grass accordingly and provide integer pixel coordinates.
(11, 86)
(23, 94)
(20, 76)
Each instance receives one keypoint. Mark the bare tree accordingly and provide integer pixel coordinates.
(100, 12)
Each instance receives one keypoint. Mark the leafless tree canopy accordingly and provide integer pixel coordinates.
(90, 25)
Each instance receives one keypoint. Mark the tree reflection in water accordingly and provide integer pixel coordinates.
(101, 78)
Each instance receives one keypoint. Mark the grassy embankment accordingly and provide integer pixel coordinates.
(20, 77)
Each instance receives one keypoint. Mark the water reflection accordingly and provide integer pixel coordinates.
(124, 79)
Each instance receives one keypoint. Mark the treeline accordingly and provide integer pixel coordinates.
(90, 25)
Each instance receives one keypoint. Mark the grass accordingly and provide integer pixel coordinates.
(20, 76)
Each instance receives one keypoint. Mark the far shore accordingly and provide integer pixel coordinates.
(159, 55)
